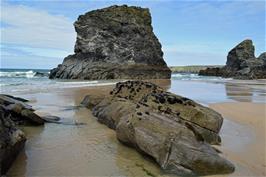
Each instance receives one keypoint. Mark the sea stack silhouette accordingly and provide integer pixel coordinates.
(241, 63)
(116, 42)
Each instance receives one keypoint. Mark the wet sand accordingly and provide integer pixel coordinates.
(251, 155)
(93, 150)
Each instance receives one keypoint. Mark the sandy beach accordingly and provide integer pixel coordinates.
(93, 150)
(251, 155)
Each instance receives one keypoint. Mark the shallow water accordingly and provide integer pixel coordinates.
(93, 150)
(69, 150)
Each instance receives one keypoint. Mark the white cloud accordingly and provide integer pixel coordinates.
(35, 28)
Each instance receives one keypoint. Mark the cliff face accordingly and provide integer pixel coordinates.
(113, 43)
(241, 63)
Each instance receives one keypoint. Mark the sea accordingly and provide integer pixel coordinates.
(92, 149)
(37, 80)
(200, 88)
(18, 80)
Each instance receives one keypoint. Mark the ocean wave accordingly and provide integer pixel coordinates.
(21, 85)
(22, 74)
(189, 76)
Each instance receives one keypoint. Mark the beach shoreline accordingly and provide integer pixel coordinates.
(94, 144)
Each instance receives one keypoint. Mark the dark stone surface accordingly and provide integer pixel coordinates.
(21, 113)
(12, 140)
(114, 43)
(174, 130)
(241, 64)
(91, 100)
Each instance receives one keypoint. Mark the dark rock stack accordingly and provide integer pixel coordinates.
(174, 130)
(241, 64)
(114, 43)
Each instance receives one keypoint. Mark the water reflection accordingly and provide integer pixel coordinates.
(245, 92)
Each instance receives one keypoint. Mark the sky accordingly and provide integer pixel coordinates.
(40, 33)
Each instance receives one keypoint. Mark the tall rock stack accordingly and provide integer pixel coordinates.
(241, 53)
(241, 63)
(114, 43)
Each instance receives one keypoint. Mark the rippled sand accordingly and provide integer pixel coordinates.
(93, 150)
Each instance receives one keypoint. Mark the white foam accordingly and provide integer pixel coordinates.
(196, 77)
(20, 74)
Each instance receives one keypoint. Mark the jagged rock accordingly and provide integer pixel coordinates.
(41, 74)
(114, 43)
(12, 141)
(263, 56)
(32, 117)
(174, 130)
(50, 118)
(90, 101)
(20, 112)
(242, 52)
(16, 98)
(8, 100)
(241, 63)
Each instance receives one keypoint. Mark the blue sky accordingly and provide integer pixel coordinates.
(39, 34)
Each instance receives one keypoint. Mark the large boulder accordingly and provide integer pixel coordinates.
(12, 141)
(241, 63)
(114, 43)
(21, 113)
(174, 130)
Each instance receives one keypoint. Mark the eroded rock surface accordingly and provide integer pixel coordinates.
(12, 141)
(114, 43)
(21, 113)
(174, 130)
(241, 63)
(13, 111)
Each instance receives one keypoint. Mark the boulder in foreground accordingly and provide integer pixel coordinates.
(12, 140)
(174, 130)
(114, 43)
(21, 113)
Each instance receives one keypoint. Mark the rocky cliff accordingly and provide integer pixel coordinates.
(241, 63)
(114, 43)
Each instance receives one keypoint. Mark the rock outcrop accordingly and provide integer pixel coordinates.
(14, 111)
(174, 130)
(114, 43)
(21, 113)
(12, 140)
(241, 64)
